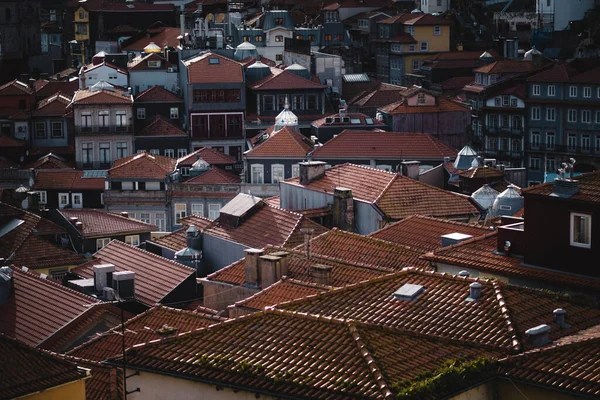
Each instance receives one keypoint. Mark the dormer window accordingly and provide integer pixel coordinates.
(581, 230)
(154, 64)
(278, 21)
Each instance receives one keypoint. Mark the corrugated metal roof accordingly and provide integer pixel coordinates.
(240, 205)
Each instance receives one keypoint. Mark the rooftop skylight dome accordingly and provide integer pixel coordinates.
(465, 157)
(485, 196)
(102, 85)
(286, 118)
(245, 50)
(152, 48)
(508, 202)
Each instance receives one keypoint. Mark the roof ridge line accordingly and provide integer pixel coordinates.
(374, 239)
(385, 189)
(119, 243)
(370, 361)
(515, 344)
(55, 284)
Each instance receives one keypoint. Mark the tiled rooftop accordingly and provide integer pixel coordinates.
(38, 308)
(150, 325)
(267, 226)
(396, 196)
(143, 166)
(15, 87)
(343, 273)
(441, 105)
(157, 94)
(47, 179)
(355, 144)
(214, 176)
(481, 172)
(45, 88)
(49, 161)
(364, 250)
(498, 318)
(557, 74)
(99, 223)
(25, 371)
(162, 37)
(176, 240)
(282, 80)
(36, 253)
(141, 63)
(161, 127)
(383, 95)
(479, 253)
(286, 354)
(89, 97)
(282, 291)
(423, 234)
(506, 66)
(211, 156)
(353, 116)
(155, 276)
(285, 142)
(53, 106)
(589, 188)
(201, 69)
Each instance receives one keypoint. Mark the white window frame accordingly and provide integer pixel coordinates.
(535, 113)
(170, 153)
(141, 113)
(280, 168)
(145, 217)
(155, 151)
(197, 209)
(417, 64)
(132, 240)
(571, 112)
(259, 169)
(62, 204)
(437, 30)
(180, 211)
(152, 186)
(550, 114)
(551, 93)
(100, 243)
(572, 91)
(174, 113)
(588, 229)
(181, 153)
(412, 48)
(77, 196)
(424, 42)
(295, 170)
(160, 221)
(587, 92)
(586, 116)
(536, 90)
(212, 213)
(43, 197)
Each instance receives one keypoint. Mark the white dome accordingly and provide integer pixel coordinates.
(246, 46)
(286, 118)
(296, 67)
(201, 165)
(152, 48)
(529, 54)
(258, 64)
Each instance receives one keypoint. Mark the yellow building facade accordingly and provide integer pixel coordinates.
(82, 34)
(430, 39)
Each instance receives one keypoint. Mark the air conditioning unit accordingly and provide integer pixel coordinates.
(124, 284)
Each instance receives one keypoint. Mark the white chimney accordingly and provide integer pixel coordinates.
(103, 276)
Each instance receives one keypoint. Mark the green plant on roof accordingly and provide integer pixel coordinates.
(249, 369)
(452, 376)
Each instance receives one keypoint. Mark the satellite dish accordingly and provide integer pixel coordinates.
(209, 17)
(219, 18)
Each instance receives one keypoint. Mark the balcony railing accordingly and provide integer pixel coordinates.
(564, 149)
(104, 129)
(497, 130)
(504, 153)
(132, 196)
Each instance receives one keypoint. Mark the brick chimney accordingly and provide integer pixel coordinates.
(311, 171)
(343, 209)
(322, 274)
(269, 267)
(284, 255)
(251, 257)
(410, 169)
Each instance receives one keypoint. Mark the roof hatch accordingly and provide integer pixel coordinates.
(409, 292)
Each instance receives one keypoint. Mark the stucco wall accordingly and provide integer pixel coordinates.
(219, 295)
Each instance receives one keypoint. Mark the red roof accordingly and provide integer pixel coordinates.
(383, 95)
(211, 156)
(157, 94)
(456, 83)
(557, 74)
(284, 143)
(155, 276)
(35, 253)
(143, 166)
(161, 127)
(354, 144)
(441, 105)
(8, 141)
(26, 371)
(352, 116)
(280, 292)
(423, 234)
(116, 96)
(498, 318)
(162, 37)
(589, 77)
(214, 176)
(15, 88)
(91, 67)
(53, 106)
(507, 66)
(66, 180)
(45, 88)
(589, 188)
(213, 68)
(49, 161)
(99, 223)
(177, 240)
(480, 253)
(156, 323)
(282, 80)
(141, 63)
(396, 196)
(37, 308)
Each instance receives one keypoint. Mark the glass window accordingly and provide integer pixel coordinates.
(213, 210)
(298, 102)
(57, 129)
(587, 92)
(76, 200)
(437, 30)
(536, 90)
(572, 116)
(145, 217)
(160, 222)
(551, 90)
(155, 151)
(598, 117)
(277, 173)
(105, 153)
(416, 65)
(181, 153)
(268, 103)
(550, 114)
(412, 47)
(40, 130)
(86, 120)
(572, 91)
(534, 163)
(198, 209)
(174, 112)
(396, 47)
(122, 149)
(585, 142)
(141, 113)
(571, 141)
(132, 240)
(87, 153)
(295, 170)
(535, 113)
(586, 116)
(63, 200)
(257, 172)
(121, 119)
(581, 230)
(180, 211)
(104, 119)
(535, 138)
(170, 153)
(550, 140)
(42, 197)
(497, 101)
(100, 243)
(424, 46)
(505, 101)
(279, 38)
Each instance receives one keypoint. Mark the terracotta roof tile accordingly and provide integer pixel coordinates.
(142, 329)
(285, 142)
(480, 172)
(176, 240)
(479, 253)
(201, 70)
(266, 226)
(382, 96)
(15, 87)
(146, 266)
(161, 127)
(211, 156)
(48, 179)
(143, 166)
(557, 74)
(362, 117)
(45, 88)
(442, 105)
(278, 353)
(86, 96)
(37, 308)
(7, 141)
(37, 253)
(572, 368)
(499, 317)
(506, 66)
(141, 63)
(162, 37)
(53, 106)
(354, 144)
(343, 273)
(589, 188)
(285, 80)
(423, 234)
(91, 67)
(26, 371)
(214, 176)
(49, 161)
(282, 291)
(157, 94)
(99, 223)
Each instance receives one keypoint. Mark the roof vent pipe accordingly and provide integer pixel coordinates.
(539, 335)
(559, 318)
(475, 290)
(464, 273)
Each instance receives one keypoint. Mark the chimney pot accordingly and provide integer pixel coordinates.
(269, 270)
(308, 232)
(343, 209)
(284, 255)
(73, 220)
(475, 290)
(251, 265)
(79, 226)
(322, 274)
(410, 169)
(464, 273)
(124, 214)
(311, 171)
(559, 317)
(539, 335)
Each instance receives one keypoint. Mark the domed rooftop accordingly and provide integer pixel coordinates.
(529, 54)
(246, 46)
(485, 196)
(299, 70)
(286, 118)
(465, 157)
(245, 50)
(508, 202)
(152, 48)
(257, 71)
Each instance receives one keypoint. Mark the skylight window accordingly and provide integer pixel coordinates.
(369, 121)
(408, 291)
(355, 121)
(213, 61)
